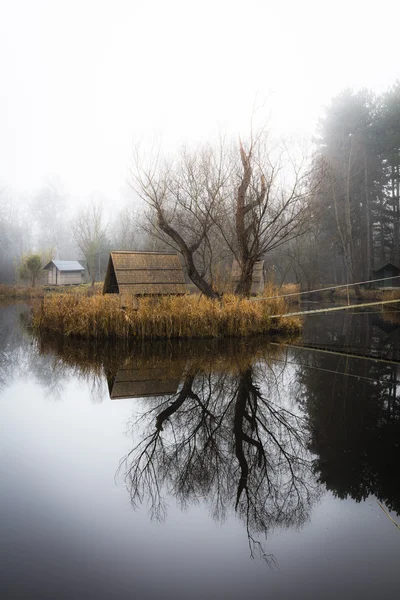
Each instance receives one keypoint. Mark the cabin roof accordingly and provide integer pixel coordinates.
(65, 265)
(386, 264)
(142, 273)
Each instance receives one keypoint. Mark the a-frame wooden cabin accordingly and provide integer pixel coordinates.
(144, 273)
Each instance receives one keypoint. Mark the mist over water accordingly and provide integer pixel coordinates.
(256, 140)
(198, 468)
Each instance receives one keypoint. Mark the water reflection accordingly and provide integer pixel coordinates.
(250, 427)
(135, 380)
(354, 404)
(226, 437)
(354, 424)
(367, 333)
(223, 428)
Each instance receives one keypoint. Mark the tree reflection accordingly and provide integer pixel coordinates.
(222, 439)
(253, 428)
(20, 355)
(354, 417)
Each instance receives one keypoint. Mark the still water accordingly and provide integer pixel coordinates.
(201, 469)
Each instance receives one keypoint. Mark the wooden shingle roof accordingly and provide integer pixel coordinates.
(143, 273)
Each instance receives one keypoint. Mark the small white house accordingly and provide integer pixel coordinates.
(64, 272)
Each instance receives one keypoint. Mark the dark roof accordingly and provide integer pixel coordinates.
(65, 265)
(386, 264)
(142, 273)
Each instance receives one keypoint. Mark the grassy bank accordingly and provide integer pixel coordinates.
(23, 292)
(165, 317)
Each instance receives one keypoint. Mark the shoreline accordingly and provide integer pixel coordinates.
(170, 317)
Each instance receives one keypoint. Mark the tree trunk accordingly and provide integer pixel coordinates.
(187, 253)
(397, 218)
(247, 258)
(368, 236)
(382, 229)
(243, 287)
(396, 215)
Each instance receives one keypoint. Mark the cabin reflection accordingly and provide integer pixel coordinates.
(388, 323)
(137, 381)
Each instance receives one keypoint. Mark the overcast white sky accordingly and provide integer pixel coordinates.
(81, 81)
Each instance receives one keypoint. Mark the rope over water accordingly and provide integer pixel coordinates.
(326, 310)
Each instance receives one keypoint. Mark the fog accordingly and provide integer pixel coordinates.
(84, 82)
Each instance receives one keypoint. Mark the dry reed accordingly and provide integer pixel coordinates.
(21, 292)
(271, 290)
(163, 317)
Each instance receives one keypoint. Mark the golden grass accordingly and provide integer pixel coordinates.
(162, 317)
(388, 294)
(20, 292)
(289, 288)
(370, 294)
(271, 290)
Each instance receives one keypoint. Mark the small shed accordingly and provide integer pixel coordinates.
(258, 282)
(144, 273)
(64, 272)
(387, 270)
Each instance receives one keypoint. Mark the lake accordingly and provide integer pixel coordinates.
(201, 469)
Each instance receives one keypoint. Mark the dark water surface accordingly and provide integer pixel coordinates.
(201, 469)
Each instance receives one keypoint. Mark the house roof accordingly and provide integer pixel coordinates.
(65, 265)
(142, 273)
(386, 264)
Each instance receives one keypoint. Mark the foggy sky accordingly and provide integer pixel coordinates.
(82, 81)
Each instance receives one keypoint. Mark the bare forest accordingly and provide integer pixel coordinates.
(323, 215)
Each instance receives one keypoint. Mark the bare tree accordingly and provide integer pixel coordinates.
(338, 187)
(89, 232)
(220, 202)
(269, 203)
(182, 197)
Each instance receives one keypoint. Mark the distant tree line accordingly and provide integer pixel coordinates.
(357, 211)
(45, 225)
(327, 216)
